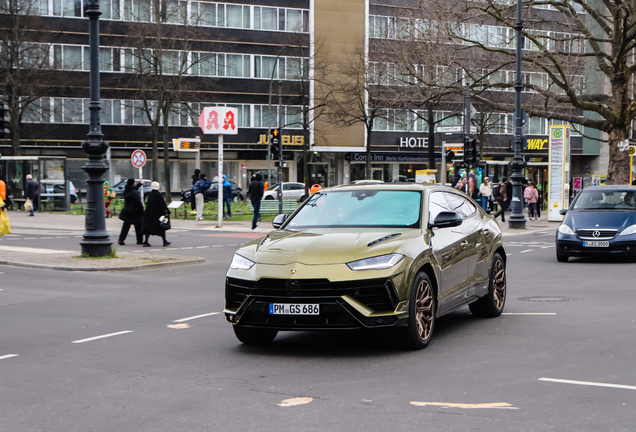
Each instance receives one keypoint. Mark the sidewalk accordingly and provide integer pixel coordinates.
(20, 221)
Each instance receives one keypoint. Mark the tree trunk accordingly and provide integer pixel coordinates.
(368, 160)
(14, 124)
(431, 141)
(166, 156)
(155, 151)
(618, 167)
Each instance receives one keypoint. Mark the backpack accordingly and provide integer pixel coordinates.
(527, 194)
(496, 192)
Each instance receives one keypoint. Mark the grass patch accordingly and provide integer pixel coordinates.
(112, 254)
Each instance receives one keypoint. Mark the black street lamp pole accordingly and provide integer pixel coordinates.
(96, 241)
(517, 219)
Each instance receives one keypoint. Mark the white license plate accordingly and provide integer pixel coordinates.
(595, 244)
(293, 309)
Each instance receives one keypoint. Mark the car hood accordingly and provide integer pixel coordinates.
(325, 246)
(608, 219)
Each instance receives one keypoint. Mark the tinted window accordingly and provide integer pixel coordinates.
(360, 208)
(605, 200)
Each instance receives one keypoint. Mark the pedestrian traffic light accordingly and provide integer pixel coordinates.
(470, 152)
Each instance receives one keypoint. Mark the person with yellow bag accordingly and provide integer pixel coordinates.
(5, 228)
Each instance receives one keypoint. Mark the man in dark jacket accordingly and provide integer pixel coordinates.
(255, 191)
(199, 189)
(31, 192)
(155, 208)
(502, 199)
(133, 211)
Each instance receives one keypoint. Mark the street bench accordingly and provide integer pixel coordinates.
(271, 206)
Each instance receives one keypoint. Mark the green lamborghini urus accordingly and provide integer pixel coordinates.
(369, 256)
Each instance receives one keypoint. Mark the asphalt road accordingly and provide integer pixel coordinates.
(200, 378)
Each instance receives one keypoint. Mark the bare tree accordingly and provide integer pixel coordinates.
(160, 62)
(578, 56)
(22, 61)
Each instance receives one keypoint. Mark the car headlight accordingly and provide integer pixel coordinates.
(376, 263)
(629, 230)
(564, 229)
(241, 263)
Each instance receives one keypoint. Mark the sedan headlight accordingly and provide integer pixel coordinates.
(629, 230)
(376, 263)
(241, 263)
(564, 229)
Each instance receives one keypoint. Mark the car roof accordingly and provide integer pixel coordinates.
(394, 186)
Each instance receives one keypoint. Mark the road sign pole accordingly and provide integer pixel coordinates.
(220, 175)
(141, 178)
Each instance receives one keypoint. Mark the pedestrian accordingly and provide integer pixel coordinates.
(501, 195)
(199, 189)
(531, 195)
(5, 228)
(31, 194)
(155, 208)
(539, 202)
(109, 194)
(486, 193)
(227, 195)
(255, 191)
(460, 183)
(133, 211)
(195, 178)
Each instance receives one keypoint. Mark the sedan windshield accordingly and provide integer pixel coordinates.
(605, 200)
(360, 208)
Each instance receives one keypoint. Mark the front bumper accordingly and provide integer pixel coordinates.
(343, 305)
(572, 245)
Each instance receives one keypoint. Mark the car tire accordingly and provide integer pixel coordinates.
(253, 336)
(562, 258)
(422, 310)
(269, 197)
(492, 304)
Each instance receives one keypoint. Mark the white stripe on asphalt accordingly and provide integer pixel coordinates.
(183, 248)
(589, 383)
(8, 356)
(202, 247)
(529, 313)
(216, 246)
(528, 250)
(545, 247)
(102, 336)
(196, 316)
(508, 254)
(30, 238)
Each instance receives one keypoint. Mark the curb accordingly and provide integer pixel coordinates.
(97, 269)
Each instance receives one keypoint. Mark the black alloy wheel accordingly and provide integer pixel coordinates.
(252, 336)
(492, 304)
(422, 309)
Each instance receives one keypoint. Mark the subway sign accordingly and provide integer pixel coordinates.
(538, 144)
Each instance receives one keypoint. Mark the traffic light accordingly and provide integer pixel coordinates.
(274, 141)
(470, 152)
(4, 121)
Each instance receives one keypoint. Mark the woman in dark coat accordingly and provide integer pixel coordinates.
(155, 208)
(133, 211)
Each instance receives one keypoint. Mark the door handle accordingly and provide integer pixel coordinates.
(464, 244)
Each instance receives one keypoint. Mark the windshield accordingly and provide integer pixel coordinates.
(605, 200)
(272, 187)
(360, 208)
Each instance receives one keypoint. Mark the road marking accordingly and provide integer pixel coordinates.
(529, 313)
(295, 401)
(46, 238)
(232, 245)
(202, 247)
(184, 248)
(179, 326)
(153, 250)
(60, 237)
(508, 254)
(216, 246)
(588, 383)
(102, 336)
(8, 356)
(31, 250)
(195, 317)
(496, 405)
(30, 238)
(545, 247)
(528, 250)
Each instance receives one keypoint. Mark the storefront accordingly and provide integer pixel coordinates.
(388, 167)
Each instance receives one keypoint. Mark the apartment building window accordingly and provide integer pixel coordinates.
(294, 116)
(281, 19)
(537, 126)
(265, 116)
(379, 27)
(393, 120)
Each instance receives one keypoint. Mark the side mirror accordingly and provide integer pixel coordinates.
(279, 221)
(446, 219)
(562, 212)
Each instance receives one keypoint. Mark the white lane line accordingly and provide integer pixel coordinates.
(102, 336)
(588, 383)
(184, 248)
(508, 254)
(216, 246)
(528, 250)
(529, 313)
(153, 250)
(545, 247)
(232, 245)
(60, 237)
(30, 238)
(8, 356)
(46, 238)
(202, 247)
(196, 316)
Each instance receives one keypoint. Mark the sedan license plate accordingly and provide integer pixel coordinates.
(595, 244)
(293, 309)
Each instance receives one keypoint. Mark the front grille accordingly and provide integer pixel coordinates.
(603, 233)
(377, 294)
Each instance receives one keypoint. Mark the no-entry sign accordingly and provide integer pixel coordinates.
(138, 158)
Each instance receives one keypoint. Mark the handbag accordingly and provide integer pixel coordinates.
(164, 223)
(28, 205)
(5, 228)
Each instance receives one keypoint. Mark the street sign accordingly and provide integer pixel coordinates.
(138, 158)
(454, 129)
(186, 144)
(632, 150)
(219, 120)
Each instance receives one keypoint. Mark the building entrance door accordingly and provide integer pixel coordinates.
(377, 174)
